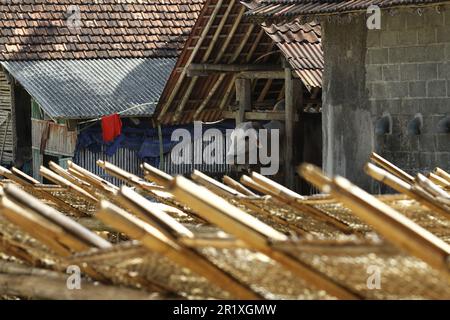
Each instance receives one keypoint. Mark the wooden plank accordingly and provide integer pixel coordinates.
(43, 193)
(155, 175)
(216, 186)
(430, 187)
(41, 287)
(280, 190)
(238, 186)
(150, 213)
(277, 74)
(66, 175)
(441, 173)
(101, 184)
(390, 167)
(35, 226)
(54, 177)
(85, 238)
(24, 176)
(127, 176)
(258, 115)
(249, 182)
(294, 200)
(439, 180)
(412, 191)
(221, 68)
(392, 225)
(155, 240)
(253, 232)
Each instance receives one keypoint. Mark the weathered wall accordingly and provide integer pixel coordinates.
(408, 72)
(346, 117)
(6, 127)
(402, 69)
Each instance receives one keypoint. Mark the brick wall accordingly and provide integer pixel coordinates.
(408, 72)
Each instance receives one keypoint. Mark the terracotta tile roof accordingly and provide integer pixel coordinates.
(301, 45)
(282, 9)
(47, 29)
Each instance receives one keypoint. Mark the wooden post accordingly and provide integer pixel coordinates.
(244, 96)
(293, 97)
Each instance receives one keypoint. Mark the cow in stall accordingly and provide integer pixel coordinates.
(255, 145)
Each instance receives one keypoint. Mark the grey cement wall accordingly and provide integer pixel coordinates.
(346, 117)
(402, 69)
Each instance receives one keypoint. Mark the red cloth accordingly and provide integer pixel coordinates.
(111, 127)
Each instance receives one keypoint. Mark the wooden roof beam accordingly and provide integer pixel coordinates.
(208, 68)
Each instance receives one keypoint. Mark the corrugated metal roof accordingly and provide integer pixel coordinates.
(81, 89)
(282, 9)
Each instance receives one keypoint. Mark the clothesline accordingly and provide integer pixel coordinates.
(121, 112)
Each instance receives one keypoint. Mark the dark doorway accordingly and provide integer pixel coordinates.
(46, 159)
(22, 126)
(309, 150)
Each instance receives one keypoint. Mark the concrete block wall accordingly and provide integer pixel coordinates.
(408, 72)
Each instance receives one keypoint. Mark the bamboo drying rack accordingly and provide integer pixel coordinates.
(249, 239)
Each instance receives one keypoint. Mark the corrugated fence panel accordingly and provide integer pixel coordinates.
(60, 139)
(128, 160)
(199, 160)
(124, 158)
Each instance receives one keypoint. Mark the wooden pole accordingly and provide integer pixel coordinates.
(91, 177)
(238, 186)
(127, 176)
(430, 187)
(411, 191)
(390, 167)
(155, 175)
(150, 213)
(66, 175)
(71, 227)
(43, 193)
(442, 182)
(244, 96)
(57, 179)
(293, 93)
(443, 174)
(401, 231)
(216, 186)
(155, 240)
(24, 176)
(44, 287)
(294, 200)
(252, 231)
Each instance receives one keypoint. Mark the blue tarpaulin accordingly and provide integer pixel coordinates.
(142, 138)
